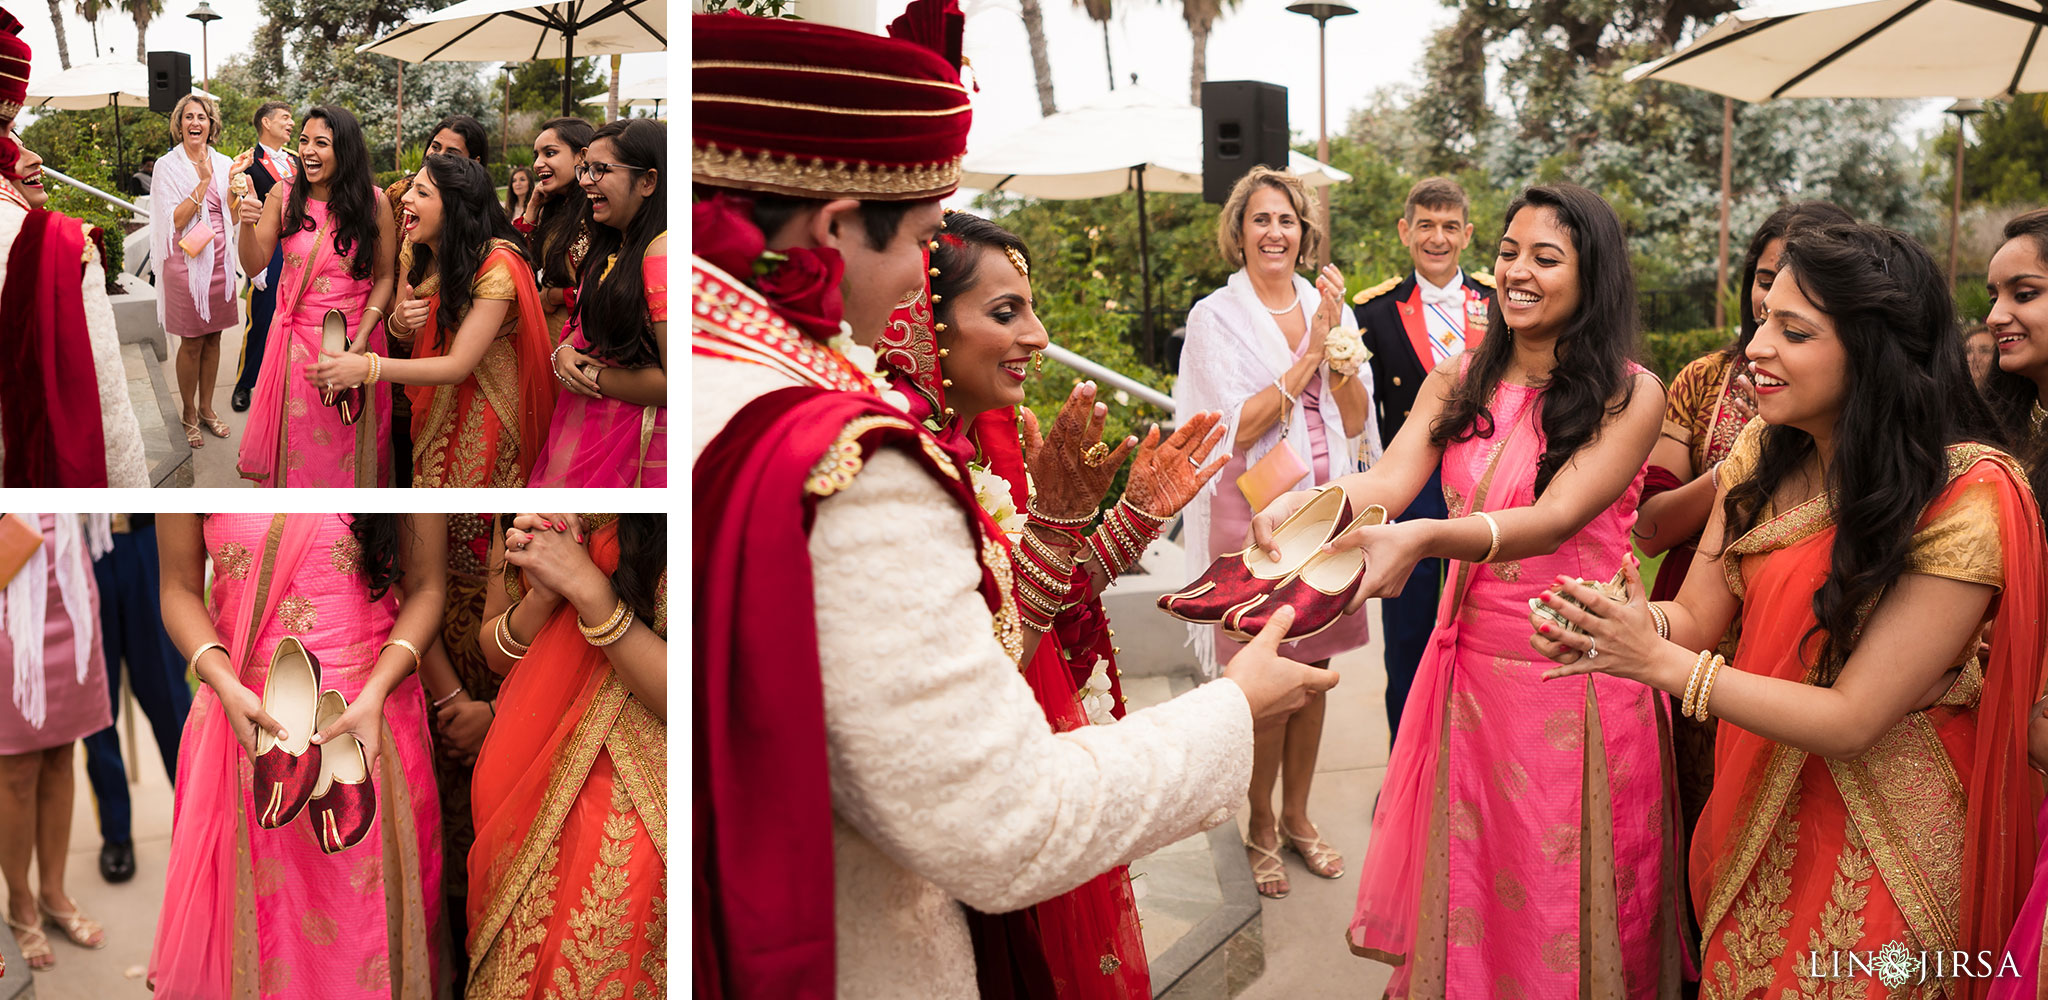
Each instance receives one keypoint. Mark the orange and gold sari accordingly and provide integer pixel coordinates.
(487, 429)
(567, 885)
(1925, 842)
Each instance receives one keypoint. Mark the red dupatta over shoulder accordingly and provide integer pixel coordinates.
(49, 397)
(1930, 833)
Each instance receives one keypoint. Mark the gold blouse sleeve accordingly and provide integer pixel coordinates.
(660, 623)
(1742, 458)
(1961, 542)
(1682, 418)
(495, 283)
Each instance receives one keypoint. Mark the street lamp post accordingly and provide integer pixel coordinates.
(1323, 11)
(1962, 109)
(205, 15)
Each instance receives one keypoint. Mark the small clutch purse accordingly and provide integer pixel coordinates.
(1273, 474)
(196, 241)
(18, 541)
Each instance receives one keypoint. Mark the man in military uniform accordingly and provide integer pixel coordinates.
(1411, 325)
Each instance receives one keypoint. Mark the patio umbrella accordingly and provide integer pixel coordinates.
(642, 93)
(111, 83)
(1865, 48)
(1132, 139)
(523, 30)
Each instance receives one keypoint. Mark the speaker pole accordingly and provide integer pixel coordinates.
(1145, 268)
(120, 166)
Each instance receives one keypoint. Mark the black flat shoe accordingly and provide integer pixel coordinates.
(117, 862)
(239, 401)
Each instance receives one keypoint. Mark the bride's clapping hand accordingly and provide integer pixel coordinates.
(1166, 475)
(1071, 467)
(1619, 639)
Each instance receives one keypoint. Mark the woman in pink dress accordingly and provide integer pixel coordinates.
(1522, 845)
(194, 249)
(59, 696)
(611, 426)
(250, 910)
(340, 245)
(1255, 351)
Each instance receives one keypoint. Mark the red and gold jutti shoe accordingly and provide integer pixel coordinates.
(284, 770)
(345, 800)
(1318, 591)
(1246, 575)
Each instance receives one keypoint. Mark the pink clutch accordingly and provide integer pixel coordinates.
(1273, 474)
(196, 241)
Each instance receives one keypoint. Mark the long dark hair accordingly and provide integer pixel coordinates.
(1908, 396)
(377, 536)
(962, 247)
(515, 206)
(614, 310)
(565, 216)
(470, 220)
(2012, 396)
(1591, 378)
(643, 557)
(352, 195)
(1782, 221)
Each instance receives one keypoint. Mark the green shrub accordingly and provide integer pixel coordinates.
(1666, 353)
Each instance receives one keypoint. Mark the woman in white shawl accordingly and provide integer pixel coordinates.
(56, 695)
(1258, 350)
(193, 246)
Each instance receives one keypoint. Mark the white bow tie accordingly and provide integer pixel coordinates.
(1447, 299)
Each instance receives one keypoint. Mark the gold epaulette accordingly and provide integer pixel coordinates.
(1483, 278)
(1369, 294)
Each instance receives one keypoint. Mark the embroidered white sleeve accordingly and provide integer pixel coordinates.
(939, 751)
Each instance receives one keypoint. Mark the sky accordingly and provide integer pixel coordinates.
(173, 30)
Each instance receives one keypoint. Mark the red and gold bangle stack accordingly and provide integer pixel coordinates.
(1045, 575)
(1121, 540)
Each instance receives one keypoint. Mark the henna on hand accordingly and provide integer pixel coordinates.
(1069, 485)
(1166, 475)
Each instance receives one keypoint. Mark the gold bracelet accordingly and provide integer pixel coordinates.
(1493, 526)
(1692, 685)
(405, 644)
(192, 662)
(593, 631)
(1663, 623)
(625, 625)
(379, 310)
(498, 635)
(375, 369)
(1707, 686)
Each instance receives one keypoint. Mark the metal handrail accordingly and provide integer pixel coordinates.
(95, 192)
(1110, 376)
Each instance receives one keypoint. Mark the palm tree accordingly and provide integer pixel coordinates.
(57, 19)
(91, 11)
(1041, 67)
(1098, 11)
(1201, 16)
(143, 10)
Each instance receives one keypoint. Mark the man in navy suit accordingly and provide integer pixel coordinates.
(1411, 325)
(272, 163)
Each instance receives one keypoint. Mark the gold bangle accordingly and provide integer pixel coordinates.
(405, 644)
(1692, 686)
(593, 631)
(379, 310)
(1494, 527)
(1707, 686)
(1663, 623)
(375, 369)
(625, 625)
(498, 635)
(192, 662)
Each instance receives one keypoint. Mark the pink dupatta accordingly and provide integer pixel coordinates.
(207, 927)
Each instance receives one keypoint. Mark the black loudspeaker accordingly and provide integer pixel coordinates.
(1244, 124)
(170, 78)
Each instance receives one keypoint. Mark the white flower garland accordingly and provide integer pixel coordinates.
(869, 364)
(992, 492)
(1095, 697)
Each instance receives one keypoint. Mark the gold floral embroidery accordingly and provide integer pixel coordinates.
(232, 559)
(1561, 952)
(505, 969)
(1509, 890)
(1560, 844)
(834, 470)
(275, 974)
(660, 622)
(467, 468)
(1510, 572)
(375, 972)
(296, 407)
(1565, 730)
(655, 962)
(322, 436)
(1463, 821)
(1908, 804)
(1464, 927)
(1009, 622)
(298, 615)
(1511, 779)
(345, 555)
(1454, 500)
(318, 928)
(324, 283)
(269, 875)
(1757, 940)
(1780, 787)
(298, 354)
(1841, 922)
(1465, 714)
(600, 928)
(1109, 965)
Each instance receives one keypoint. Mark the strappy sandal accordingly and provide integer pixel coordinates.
(192, 437)
(1268, 870)
(214, 424)
(76, 926)
(35, 946)
(1322, 860)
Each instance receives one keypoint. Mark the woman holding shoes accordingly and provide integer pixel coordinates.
(1256, 351)
(570, 790)
(294, 886)
(1528, 821)
(1871, 782)
(478, 378)
(334, 292)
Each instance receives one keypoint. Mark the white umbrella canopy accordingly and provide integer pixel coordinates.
(1093, 151)
(91, 85)
(1866, 48)
(643, 93)
(526, 30)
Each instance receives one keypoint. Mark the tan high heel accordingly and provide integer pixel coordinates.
(1322, 860)
(76, 926)
(1268, 869)
(35, 946)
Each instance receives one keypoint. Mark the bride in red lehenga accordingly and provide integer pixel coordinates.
(961, 355)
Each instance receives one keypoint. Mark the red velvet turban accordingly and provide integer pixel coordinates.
(814, 111)
(14, 55)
